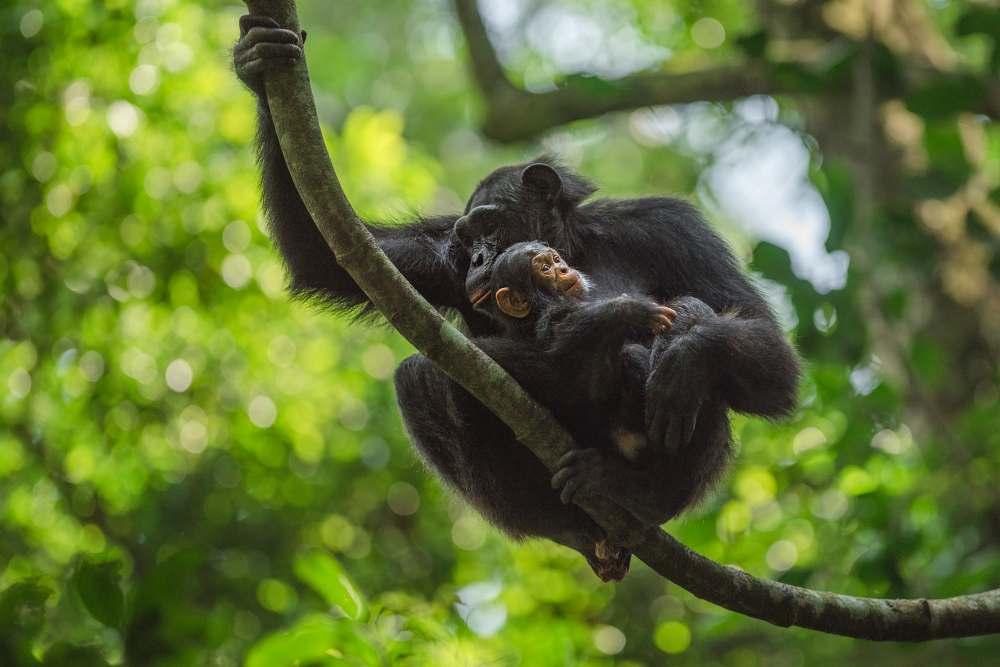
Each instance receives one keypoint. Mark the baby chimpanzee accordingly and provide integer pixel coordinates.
(587, 358)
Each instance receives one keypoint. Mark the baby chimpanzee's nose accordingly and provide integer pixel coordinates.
(477, 259)
(564, 269)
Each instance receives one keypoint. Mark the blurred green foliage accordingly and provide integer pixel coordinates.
(195, 470)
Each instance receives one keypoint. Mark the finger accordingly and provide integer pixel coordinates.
(269, 51)
(664, 321)
(252, 68)
(569, 458)
(248, 21)
(258, 67)
(262, 35)
(560, 477)
(666, 313)
(569, 491)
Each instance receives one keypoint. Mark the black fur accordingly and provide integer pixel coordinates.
(592, 357)
(727, 351)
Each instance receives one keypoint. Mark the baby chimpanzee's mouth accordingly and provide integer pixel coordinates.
(571, 286)
(479, 296)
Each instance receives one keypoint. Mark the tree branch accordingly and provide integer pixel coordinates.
(513, 113)
(294, 114)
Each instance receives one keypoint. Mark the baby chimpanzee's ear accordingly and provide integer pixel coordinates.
(513, 303)
(543, 180)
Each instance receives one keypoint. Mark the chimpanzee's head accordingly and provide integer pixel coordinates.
(519, 203)
(524, 279)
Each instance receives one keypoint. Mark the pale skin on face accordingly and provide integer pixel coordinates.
(548, 271)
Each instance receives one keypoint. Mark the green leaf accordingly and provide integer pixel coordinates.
(97, 584)
(22, 616)
(22, 606)
(838, 194)
(754, 44)
(309, 640)
(945, 96)
(316, 639)
(947, 153)
(325, 575)
(979, 20)
(65, 654)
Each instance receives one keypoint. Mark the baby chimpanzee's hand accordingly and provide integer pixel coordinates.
(663, 319)
(645, 315)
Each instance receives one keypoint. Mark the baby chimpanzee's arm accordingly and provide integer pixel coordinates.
(585, 339)
(602, 326)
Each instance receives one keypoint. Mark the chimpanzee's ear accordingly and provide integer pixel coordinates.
(543, 180)
(513, 303)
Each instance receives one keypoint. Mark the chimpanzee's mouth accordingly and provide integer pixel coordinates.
(573, 286)
(479, 296)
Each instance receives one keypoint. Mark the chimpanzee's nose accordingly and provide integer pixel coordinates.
(564, 269)
(477, 259)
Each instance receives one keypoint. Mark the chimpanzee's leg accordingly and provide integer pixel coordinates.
(649, 481)
(477, 455)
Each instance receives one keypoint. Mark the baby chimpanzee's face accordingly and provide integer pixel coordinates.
(550, 272)
(522, 278)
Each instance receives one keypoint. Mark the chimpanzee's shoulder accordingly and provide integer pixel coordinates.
(639, 210)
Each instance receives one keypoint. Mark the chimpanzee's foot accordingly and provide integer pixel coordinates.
(264, 45)
(580, 470)
(609, 562)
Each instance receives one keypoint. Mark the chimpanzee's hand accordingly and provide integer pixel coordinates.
(579, 470)
(264, 45)
(645, 315)
(662, 320)
(681, 378)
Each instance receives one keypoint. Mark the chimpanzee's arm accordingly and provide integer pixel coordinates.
(602, 326)
(744, 360)
(421, 250)
(731, 342)
(585, 339)
(752, 365)
(747, 358)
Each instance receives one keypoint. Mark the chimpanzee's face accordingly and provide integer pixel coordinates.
(486, 231)
(550, 272)
(510, 205)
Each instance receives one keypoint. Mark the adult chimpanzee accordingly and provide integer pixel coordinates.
(658, 246)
